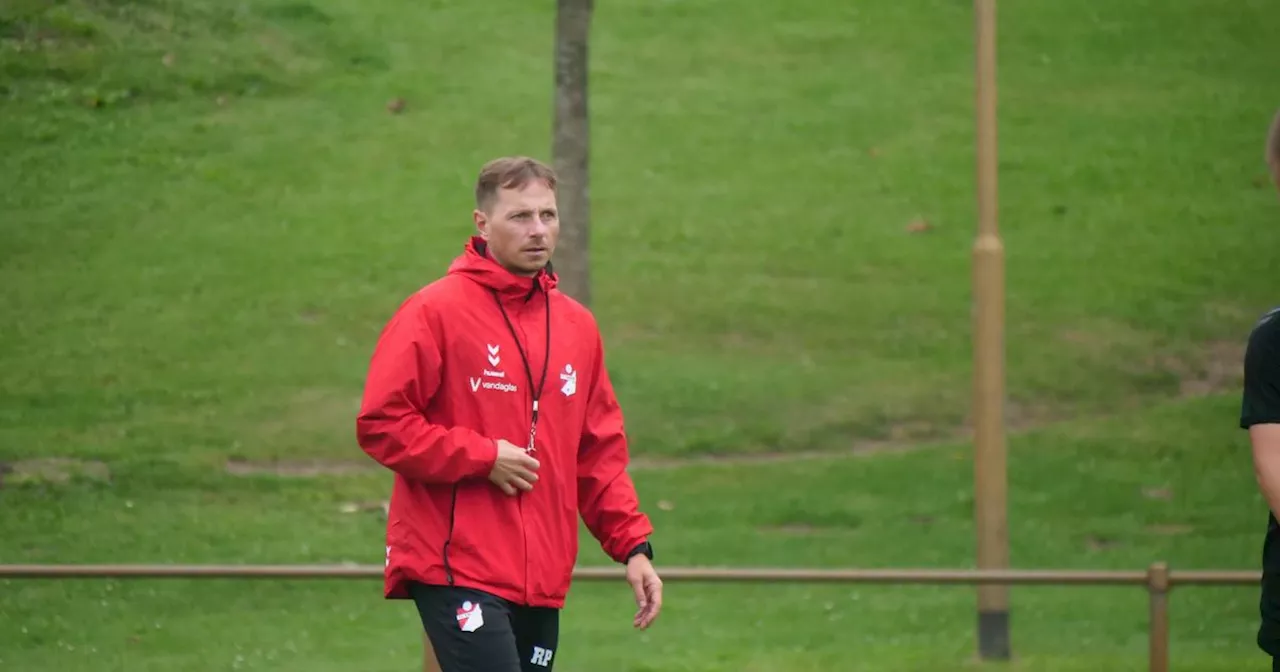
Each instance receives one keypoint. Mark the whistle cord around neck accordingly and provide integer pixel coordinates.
(535, 392)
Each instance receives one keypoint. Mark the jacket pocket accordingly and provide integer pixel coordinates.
(484, 545)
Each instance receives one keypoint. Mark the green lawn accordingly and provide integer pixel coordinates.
(1165, 484)
(209, 213)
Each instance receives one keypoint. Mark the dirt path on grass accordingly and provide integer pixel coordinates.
(1216, 371)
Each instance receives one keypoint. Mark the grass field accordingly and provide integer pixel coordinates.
(209, 213)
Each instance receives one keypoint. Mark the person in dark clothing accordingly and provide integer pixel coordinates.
(1260, 415)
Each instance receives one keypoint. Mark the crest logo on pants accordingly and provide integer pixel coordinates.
(470, 618)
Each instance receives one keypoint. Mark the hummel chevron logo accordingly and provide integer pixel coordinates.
(493, 355)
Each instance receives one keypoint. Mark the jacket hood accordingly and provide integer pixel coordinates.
(476, 264)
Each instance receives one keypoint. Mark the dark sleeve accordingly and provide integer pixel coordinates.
(1261, 400)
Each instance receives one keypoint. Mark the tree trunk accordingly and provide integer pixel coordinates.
(571, 145)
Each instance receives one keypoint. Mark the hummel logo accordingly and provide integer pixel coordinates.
(493, 355)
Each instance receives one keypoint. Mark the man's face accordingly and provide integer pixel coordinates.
(521, 227)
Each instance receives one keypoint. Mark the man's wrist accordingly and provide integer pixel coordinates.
(643, 548)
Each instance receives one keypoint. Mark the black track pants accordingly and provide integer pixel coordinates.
(473, 631)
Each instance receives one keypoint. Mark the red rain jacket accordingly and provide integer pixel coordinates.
(447, 377)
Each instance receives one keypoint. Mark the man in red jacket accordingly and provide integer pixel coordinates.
(488, 397)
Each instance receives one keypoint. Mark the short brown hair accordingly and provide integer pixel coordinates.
(510, 172)
(1273, 146)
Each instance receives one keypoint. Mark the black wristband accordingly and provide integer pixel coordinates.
(644, 548)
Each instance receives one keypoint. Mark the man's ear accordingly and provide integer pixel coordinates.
(482, 223)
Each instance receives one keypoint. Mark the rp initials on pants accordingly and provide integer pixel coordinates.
(541, 657)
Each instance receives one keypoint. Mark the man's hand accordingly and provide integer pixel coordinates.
(514, 469)
(648, 588)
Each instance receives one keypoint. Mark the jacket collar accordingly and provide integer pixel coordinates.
(477, 264)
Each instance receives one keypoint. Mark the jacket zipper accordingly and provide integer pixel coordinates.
(534, 394)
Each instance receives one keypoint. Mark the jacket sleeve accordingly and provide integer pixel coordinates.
(606, 494)
(404, 374)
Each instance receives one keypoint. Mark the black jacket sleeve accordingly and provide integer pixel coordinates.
(1261, 400)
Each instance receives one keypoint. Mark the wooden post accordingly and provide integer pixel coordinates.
(571, 145)
(990, 487)
(1158, 633)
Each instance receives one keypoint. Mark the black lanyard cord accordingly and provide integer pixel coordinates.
(546, 363)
